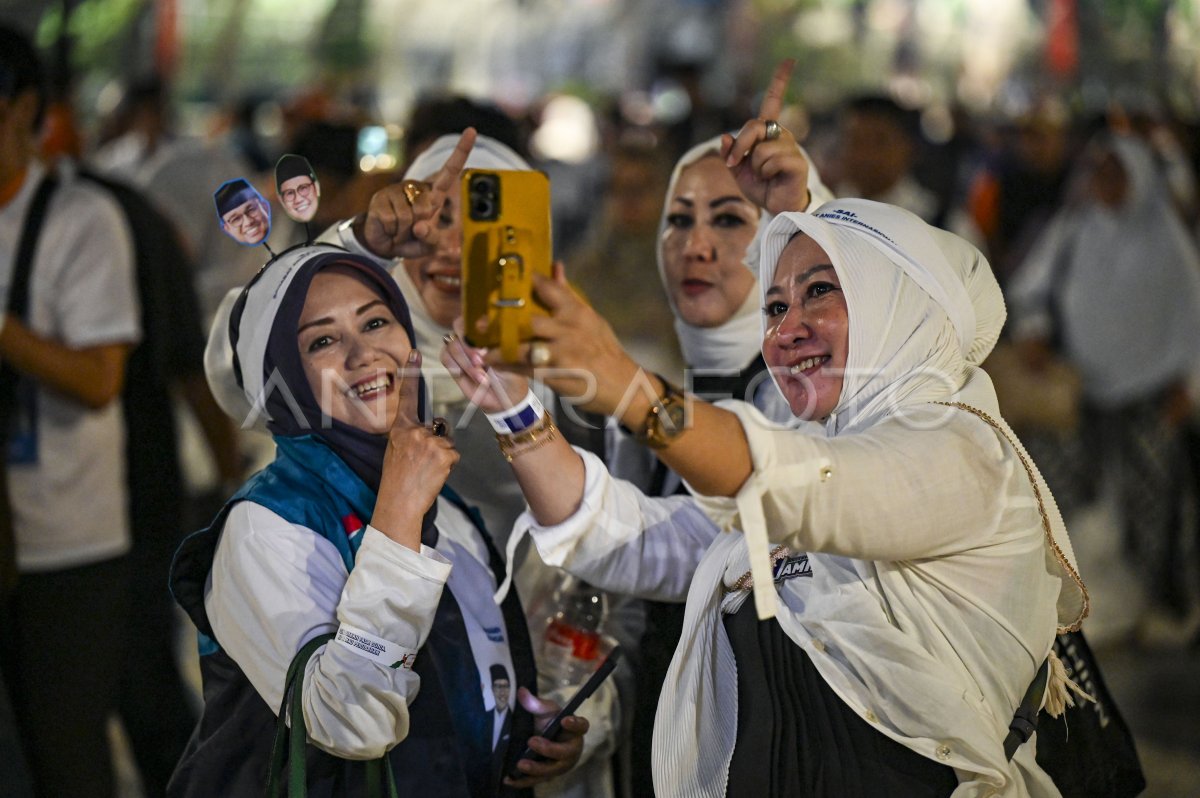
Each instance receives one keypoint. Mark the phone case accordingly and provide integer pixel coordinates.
(506, 239)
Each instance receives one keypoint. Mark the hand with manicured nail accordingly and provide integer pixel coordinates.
(416, 465)
(590, 367)
(489, 390)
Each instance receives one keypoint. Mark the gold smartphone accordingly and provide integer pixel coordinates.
(506, 240)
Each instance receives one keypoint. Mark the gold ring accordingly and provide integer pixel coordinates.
(439, 427)
(774, 131)
(539, 354)
(412, 190)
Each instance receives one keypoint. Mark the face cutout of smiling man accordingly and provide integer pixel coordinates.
(297, 186)
(245, 215)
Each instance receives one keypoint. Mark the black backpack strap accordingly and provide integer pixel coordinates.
(18, 292)
(35, 219)
(1025, 719)
(18, 308)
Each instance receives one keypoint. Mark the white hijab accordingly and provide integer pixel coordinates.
(730, 346)
(914, 330)
(733, 345)
(924, 310)
(487, 153)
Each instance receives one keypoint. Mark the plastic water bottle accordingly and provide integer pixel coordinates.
(572, 645)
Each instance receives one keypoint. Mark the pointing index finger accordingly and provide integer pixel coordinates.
(772, 104)
(447, 176)
(408, 390)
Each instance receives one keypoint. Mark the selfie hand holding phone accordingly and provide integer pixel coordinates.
(506, 239)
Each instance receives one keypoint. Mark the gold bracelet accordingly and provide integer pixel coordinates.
(511, 453)
(510, 441)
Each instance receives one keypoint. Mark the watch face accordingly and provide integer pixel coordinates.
(674, 418)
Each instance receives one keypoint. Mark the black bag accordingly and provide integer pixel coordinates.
(1088, 750)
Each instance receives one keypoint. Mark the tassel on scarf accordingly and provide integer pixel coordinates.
(1059, 687)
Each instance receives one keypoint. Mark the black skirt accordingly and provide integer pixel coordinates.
(796, 737)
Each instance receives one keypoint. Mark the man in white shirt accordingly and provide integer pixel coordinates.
(66, 462)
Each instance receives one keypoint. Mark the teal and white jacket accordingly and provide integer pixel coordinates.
(292, 556)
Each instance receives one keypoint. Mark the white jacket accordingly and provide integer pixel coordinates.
(928, 611)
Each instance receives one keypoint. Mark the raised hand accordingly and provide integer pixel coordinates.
(489, 390)
(416, 464)
(765, 158)
(402, 219)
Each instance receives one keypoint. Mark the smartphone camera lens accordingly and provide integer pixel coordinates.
(483, 208)
(485, 197)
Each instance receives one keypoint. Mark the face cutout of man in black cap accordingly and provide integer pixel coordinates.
(299, 190)
(245, 215)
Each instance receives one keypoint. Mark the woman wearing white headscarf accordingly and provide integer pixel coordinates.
(1114, 285)
(708, 241)
(708, 237)
(431, 278)
(920, 566)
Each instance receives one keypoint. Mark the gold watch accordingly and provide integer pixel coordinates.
(665, 419)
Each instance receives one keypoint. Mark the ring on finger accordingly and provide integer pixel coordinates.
(774, 130)
(439, 427)
(539, 354)
(412, 190)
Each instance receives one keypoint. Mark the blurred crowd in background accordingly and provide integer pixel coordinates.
(986, 118)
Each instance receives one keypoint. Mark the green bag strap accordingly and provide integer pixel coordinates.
(280, 747)
(298, 733)
(290, 742)
(377, 770)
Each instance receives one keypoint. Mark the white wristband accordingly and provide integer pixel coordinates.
(368, 645)
(522, 416)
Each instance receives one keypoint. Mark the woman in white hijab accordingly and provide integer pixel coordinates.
(1114, 285)
(707, 239)
(431, 278)
(912, 559)
(708, 242)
